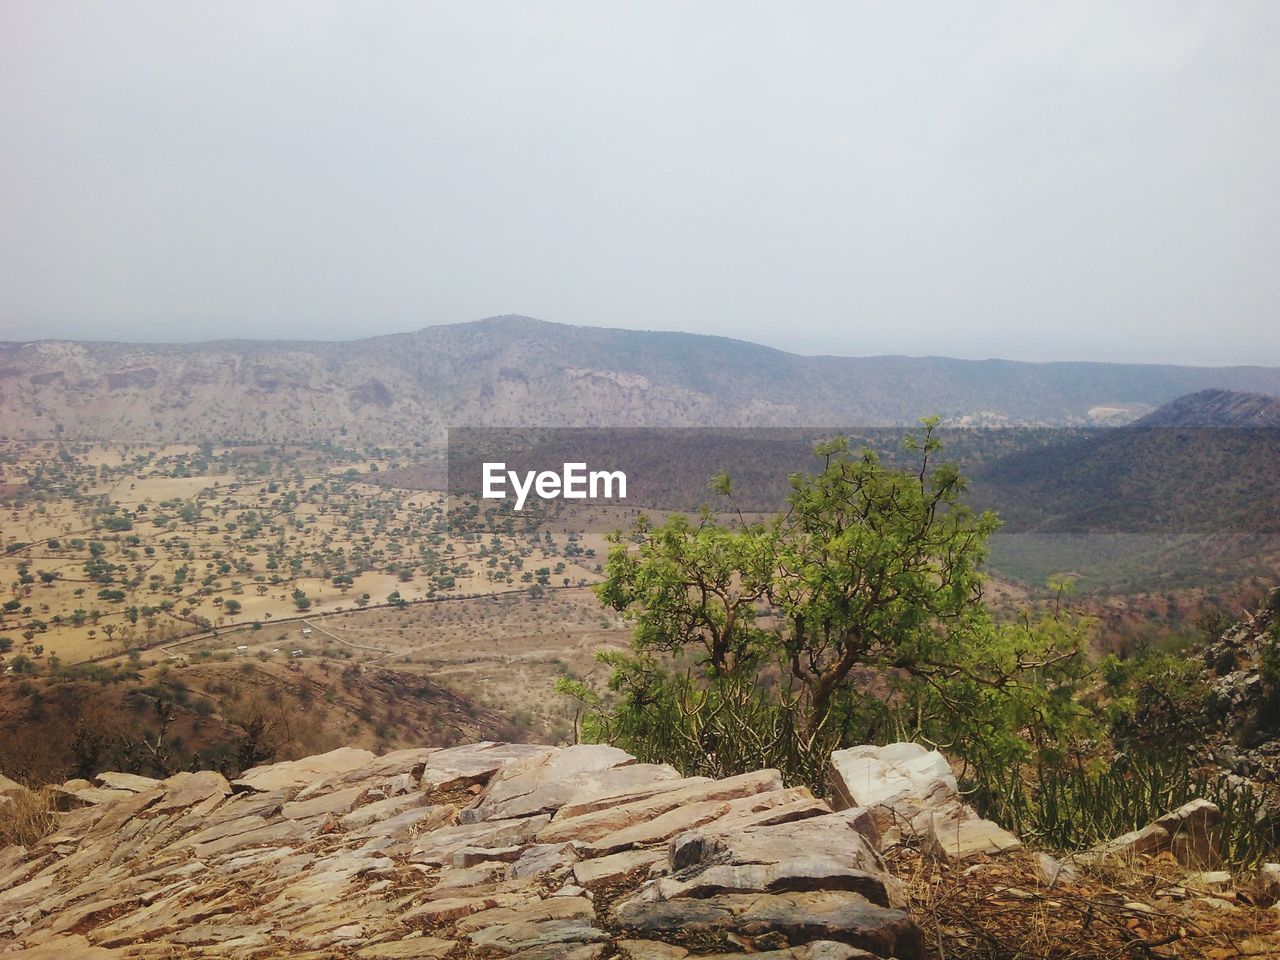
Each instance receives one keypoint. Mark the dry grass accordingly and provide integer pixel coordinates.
(25, 816)
(1004, 910)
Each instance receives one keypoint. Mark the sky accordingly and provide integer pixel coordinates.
(1032, 180)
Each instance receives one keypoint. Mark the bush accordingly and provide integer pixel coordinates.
(26, 816)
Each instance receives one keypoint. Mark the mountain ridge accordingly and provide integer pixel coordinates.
(517, 371)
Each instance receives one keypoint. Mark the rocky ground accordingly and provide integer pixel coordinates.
(542, 853)
(1238, 743)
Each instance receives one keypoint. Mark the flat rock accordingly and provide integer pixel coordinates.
(126, 781)
(437, 846)
(963, 837)
(336, 804)
(607, 869)
(833, 852)
(736, 813)
(188, 789)
(473, 763)
(593, 826)
(544, 782)
(506, 938)
(425, 853)
(561, 951)
(843, 916)
(912, 791)
(407, 763)
(531, 911)
(9, 786)
(293, 773)
(64, 948)
(589, 802)
(89, 795)
(378, 810)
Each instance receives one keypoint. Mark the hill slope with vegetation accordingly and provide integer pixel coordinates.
(518, 371)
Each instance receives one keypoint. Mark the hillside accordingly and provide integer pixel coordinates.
(1185, 497)
(223, 715)
(1151, 476)
(1217, 408)
(409, 387)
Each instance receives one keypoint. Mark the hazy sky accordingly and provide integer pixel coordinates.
(1030, 180)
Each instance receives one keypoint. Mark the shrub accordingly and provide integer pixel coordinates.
(26, 816)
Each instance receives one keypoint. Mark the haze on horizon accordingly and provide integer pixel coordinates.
(1094, 181)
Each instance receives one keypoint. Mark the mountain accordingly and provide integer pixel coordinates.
(1151, 476)
(517, 371)
(1186, 495)
(1217, 408)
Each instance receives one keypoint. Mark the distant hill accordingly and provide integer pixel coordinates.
(1188, 494)
(1217, 408)
(1207, 462)
(517, 371)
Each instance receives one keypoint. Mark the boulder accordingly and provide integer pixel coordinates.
(1268, 883)
(1194, 830)
(838, 851)
(912, 793)
(1189, 833)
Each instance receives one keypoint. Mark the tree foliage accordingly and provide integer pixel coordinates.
(854, 614)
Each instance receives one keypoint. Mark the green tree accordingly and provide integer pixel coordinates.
(749, 635)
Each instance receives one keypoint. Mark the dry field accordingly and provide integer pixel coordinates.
(109, 548)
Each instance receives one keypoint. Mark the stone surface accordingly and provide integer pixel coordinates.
(608, 869)
(837, 851)
(126, 781)
(843, 916)
(956, 836)
(1052, 870)
(1268, 882)
(303, 772)
(486, 850)
(1194, 830)
(912, 793)
(1189, 834)
(542, 783)
(626, 812)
